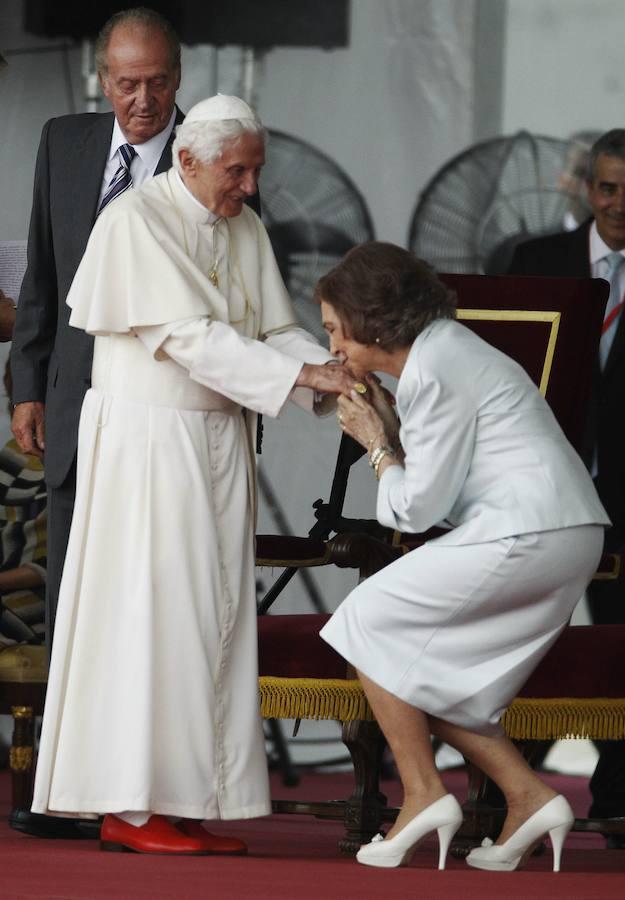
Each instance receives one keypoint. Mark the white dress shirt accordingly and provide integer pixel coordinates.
(598, 251)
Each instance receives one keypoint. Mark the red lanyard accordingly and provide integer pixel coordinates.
(612, 316)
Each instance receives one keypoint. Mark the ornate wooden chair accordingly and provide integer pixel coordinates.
(552, 328)
(23, 677)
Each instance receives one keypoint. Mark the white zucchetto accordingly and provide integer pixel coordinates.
(219, 108)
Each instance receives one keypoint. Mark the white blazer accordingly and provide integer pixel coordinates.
(484, 453)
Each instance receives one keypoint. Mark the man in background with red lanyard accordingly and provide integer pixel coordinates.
(597, 249)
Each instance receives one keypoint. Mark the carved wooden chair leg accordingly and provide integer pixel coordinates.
(22, 756)
(364, 809)
(483, 814)
(485, 808)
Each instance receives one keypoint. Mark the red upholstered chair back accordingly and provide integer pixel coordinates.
(550, 326)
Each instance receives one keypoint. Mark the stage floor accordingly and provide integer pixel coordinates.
(296, 858)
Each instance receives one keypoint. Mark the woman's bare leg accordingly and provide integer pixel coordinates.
(498, 758)
(407, 731)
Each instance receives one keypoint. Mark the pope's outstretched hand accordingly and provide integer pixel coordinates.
(329, 379)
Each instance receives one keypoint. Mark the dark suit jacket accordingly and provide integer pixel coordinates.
(567, 254)
(50, 361)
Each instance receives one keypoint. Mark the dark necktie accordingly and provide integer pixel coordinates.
(122, 179)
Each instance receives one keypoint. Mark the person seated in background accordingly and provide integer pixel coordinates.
(23, 549)
(7, 317)
(23, 522)
(23, 540)
(444, 637)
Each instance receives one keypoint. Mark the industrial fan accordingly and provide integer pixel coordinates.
(314, 214)
(494, 195)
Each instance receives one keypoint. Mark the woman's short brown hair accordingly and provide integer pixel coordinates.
(384, 295)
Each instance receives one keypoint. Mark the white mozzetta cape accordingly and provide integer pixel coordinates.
(141, 266)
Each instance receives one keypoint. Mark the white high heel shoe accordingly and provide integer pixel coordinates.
(445, 815)
(555, 817)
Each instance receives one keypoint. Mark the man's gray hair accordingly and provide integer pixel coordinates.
(612, 143)
(143, 17)
(206, 140)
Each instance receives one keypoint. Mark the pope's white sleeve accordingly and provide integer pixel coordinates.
(437, 435)
(299, 344)
(245, 370)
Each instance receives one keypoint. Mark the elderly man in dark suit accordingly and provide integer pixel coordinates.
(138, 56)
(82, 165)
(597, 249)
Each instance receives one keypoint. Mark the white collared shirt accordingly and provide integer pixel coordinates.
(144, 163)
(598, 251)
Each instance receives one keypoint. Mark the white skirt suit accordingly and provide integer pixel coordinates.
(456, 627)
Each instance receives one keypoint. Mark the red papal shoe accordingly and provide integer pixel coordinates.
(158, 835)
(444, 816)
(554, 818)
(212, 843)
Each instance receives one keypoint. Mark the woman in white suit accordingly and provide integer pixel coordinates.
(444, 637)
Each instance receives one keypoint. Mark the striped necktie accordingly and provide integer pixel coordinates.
(122, 179)
(614, 307)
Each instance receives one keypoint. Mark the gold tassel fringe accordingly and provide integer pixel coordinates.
(597, 718)
(313, 698)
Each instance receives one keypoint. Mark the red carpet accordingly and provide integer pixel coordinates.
(296, 858)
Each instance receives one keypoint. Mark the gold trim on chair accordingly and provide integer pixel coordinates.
(313, 698)
(21, 759)
(553, 718)
(522, 315)
(527, 718)
(611, 574)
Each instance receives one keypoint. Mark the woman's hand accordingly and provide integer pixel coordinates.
(384, 404)
(360, 420)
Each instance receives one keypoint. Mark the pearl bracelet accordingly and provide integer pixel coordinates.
(377, 456)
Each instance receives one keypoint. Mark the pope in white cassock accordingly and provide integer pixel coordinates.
(152, 703)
